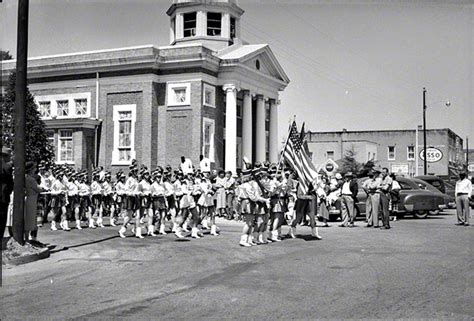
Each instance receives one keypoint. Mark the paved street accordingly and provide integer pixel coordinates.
(418, 269)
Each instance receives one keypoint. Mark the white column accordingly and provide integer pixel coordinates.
(273, 133)
(172, 30)
(260, 150)
(230, 128)
(247, 126)
(179, 26)
(225, 25)
(201, 23)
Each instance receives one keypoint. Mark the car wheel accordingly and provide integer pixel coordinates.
(435, 212)
(420, 214)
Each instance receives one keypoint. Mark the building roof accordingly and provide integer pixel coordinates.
(239, 52)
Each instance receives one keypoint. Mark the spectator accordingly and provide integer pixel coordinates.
(186, 166)
(463, 193)
(204, 164)
(6, 181)
(32, 190)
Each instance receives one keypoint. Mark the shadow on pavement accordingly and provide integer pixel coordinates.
(64, 248)
(306, 237)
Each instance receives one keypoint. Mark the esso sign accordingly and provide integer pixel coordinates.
(329, 167)
(433, 155)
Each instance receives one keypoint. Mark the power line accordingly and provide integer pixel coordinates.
(328, 74)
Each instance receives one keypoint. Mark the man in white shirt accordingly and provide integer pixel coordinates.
(463, 193)
(204, 164)
(186, 166)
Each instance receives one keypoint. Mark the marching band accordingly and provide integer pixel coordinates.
(165, 200)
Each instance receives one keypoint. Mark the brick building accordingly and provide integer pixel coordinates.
(394, 149)
(208, 92)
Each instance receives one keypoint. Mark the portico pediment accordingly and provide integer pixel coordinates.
(257, 58)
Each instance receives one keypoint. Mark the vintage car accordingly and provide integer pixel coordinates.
(443, 186)
(449, 201)
(413, 200)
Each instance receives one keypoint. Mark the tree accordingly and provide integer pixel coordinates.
(366, 168)
(5, 55)
(349, 163)
(37, 146)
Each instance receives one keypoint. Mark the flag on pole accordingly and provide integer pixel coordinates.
(298, 159)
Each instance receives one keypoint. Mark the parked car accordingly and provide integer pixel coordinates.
(434, 180)
(413, 199)
(443, 186)
(449, 201)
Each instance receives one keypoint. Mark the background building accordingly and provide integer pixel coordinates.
(208, 92)
(394, 149)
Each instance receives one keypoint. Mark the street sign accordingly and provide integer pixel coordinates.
(329, 167)
(433, 155)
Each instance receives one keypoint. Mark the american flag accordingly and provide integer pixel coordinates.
(298, 159)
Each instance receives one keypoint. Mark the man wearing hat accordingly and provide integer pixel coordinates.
(384, 190)
(6, 183)
(373, 199)
(348, 198)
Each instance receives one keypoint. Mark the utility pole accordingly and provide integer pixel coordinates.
(20, 123)
(425, 163)
(467, 151)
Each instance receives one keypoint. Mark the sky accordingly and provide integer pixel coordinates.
(358, 65)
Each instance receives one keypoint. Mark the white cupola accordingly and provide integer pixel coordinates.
(213, 23)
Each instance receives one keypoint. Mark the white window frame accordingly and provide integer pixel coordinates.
(50, 108)
(394, 153)
(408, 153)
(115, 152)
(51, 139)
(69, 111)
(205, 121)
(75, 107)
(212, 103)
(60, 137)
(171, 87)
(71, 98)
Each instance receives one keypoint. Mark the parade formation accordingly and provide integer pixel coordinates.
(165, 200)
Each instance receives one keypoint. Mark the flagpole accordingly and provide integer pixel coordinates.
(286, 143)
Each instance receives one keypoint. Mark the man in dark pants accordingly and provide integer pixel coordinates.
(6, 183)
(384, 189)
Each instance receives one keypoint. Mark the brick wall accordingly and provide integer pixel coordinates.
(119, 95)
